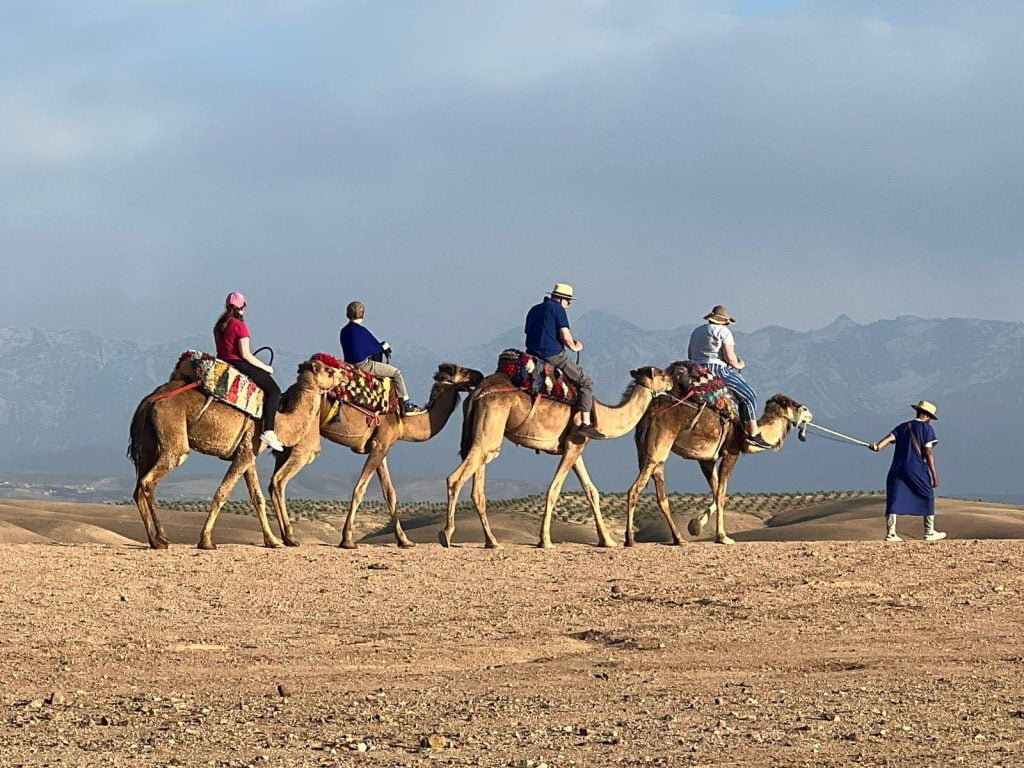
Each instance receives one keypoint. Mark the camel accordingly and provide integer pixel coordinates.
(682, 428)
(375, 440)
(498, 410)
(165, 430)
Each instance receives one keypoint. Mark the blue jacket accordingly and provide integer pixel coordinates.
(358, 344)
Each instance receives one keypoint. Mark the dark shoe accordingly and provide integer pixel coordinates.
(409, 408)
(588, 430)
(758, 441)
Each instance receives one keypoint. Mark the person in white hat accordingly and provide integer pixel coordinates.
(912, 479)
(547, 337)
(714, 346)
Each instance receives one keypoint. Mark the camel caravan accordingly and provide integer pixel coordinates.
(229, 405)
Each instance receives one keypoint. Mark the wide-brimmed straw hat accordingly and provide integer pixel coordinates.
(925, 407)
(562, 291)
(720, 315)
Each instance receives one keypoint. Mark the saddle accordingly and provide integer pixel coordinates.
(699, 385)
(537, 377)
(374, 394)
(221, 381)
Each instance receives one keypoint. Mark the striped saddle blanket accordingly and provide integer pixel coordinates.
(698, 384)
(537, 377)
(220, 381)
(364, 390)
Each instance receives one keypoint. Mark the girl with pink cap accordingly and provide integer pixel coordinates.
(231, 335)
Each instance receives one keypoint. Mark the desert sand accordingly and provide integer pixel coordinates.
(776, 651)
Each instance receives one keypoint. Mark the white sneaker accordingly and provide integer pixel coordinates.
(935, 536)
(270, 438)
(894, 537)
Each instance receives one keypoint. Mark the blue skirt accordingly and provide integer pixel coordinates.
(907, 494)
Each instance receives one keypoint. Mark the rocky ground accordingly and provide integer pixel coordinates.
(785, 654)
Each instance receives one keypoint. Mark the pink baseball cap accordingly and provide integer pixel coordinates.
(236, 300)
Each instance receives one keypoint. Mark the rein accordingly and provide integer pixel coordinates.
(178, 391)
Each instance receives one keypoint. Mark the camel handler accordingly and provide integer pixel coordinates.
(362, 350)
(913, 478)
(714, 346)
(547, 336)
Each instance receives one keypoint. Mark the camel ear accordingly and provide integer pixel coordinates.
(316, 367)
(646, 372)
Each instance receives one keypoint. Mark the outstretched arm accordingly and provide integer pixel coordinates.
(567, 338)
(887, 440)
(730, 356)
(249, 357)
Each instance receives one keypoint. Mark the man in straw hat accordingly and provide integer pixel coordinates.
(714, 346)
(913, 478)
(547, 336)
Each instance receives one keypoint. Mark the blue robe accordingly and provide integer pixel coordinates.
(908, 487)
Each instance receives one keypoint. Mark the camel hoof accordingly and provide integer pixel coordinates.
(493, 545)
(162, 542)
(725, 540)
(694, 526)
(405, 544)
(273, 543)
(158, 544)
(629, 543)
(206, 544)
(678, 542)
(347, 544)
(292, 542)
(444, 539)
(545, 545)
(607, 544)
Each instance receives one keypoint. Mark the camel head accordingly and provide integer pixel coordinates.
(463, 379)
(655, 379)
(789, 409)
(320, 370)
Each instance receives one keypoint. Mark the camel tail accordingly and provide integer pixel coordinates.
(139, 423)
(468, 423)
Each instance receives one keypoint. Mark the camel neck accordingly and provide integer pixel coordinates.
(427, 425)
(617, 421)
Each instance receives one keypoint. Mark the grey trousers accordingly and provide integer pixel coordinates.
(577, 376)
(383, 369)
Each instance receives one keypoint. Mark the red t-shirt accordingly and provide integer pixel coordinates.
(227, 342)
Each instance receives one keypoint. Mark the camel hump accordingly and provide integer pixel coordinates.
(536, 376)
(700, 385)
(221, 381)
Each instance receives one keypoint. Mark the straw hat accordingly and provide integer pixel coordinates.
(927, 408)
(562, 291)
(720, 315)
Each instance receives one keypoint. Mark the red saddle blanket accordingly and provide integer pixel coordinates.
(535, 376)
(372, 393)
(700, 385)
(221, 381)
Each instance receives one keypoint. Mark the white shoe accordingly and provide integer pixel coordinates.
(894, 537)
(271, 439)
(935, 536)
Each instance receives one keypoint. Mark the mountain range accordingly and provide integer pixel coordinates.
(66, 398)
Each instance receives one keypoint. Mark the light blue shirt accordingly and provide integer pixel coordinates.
(706, 344)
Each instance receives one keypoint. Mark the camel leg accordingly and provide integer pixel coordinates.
(238, 467)
(391, 497)
(603, 539)
(725, 468)
(666, 510)
(697, 522)
(252, 480)
(145, 496)
(373, 461)
(480, 502)
(633, 497)
(456, 480)
(572, 452)
(286, 466)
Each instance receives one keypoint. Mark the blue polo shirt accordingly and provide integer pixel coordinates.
(358, 344)
(543, 323)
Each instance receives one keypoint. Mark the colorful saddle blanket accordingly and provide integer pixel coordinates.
(220, 381)
(362, 389)
(700, 385)
(535, 376)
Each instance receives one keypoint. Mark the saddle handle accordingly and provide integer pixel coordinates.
(268, 349)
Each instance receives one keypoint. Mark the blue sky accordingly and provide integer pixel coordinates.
(446, 162)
